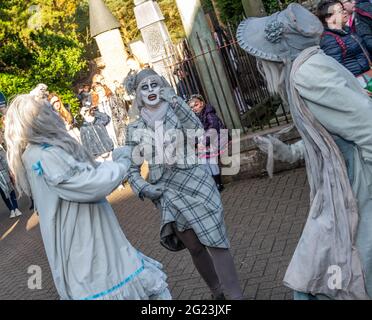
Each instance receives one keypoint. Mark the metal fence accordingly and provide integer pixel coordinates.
(256, 107)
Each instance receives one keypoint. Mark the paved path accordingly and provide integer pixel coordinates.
(264, 220)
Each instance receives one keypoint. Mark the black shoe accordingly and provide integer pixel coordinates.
(220, 296)
(217, 179)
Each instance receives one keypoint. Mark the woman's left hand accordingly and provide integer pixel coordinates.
(168, 94)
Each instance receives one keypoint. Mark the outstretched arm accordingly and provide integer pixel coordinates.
(281, 151)
(78, 181)
(278, 150)
(135, 179)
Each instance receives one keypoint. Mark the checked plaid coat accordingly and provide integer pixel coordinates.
(5, 182)
(190, 197)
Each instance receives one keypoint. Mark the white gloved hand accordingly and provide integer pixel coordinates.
(122, 155)
(122, 152)
(281, 151)
(151, 192)
(262, 143)
(168, 94)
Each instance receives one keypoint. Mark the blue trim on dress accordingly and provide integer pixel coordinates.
(38, 168)
(45, 146)
(119, 285)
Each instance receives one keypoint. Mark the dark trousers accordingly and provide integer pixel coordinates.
(10, 202)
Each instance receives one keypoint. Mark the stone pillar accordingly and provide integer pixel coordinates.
(217, 86)
(253, 8)
(150, 21)
(104, 28)
(114, 55)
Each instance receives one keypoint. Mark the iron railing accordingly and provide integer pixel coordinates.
(256, 107)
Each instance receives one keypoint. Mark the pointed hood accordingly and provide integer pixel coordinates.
(100, 18)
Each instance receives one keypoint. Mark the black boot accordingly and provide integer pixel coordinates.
(217, 179)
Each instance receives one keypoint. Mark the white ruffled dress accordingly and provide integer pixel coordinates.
(89, 255)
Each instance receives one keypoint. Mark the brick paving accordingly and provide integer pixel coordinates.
(264, 220)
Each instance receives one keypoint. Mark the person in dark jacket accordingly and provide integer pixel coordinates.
(338, 41)
(84, 94)
(6, 186)
(213, 145)
(349, 6)
(362, 22)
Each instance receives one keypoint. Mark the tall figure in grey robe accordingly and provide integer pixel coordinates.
(333, 114)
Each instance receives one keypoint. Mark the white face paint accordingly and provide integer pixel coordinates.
(150, 91)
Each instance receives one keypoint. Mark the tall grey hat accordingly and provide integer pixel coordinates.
(282, 35)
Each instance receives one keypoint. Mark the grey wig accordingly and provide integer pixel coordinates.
(30, 120)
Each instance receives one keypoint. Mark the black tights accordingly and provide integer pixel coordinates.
(215, 265)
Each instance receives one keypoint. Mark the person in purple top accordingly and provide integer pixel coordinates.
(213, 144)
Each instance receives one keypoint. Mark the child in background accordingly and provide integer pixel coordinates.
(213, 143)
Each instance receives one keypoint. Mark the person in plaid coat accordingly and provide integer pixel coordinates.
(186, 195)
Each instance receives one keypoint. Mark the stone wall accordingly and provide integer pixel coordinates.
(253, 161)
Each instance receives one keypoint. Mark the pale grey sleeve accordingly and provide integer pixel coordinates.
(80, 182)
(335, 100)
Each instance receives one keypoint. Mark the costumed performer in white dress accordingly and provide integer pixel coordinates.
(333, 114)
(89, 255)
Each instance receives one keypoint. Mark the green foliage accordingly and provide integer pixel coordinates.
(11, 85)
(49, 41)
(172, 19)
(67, 96)
(230, 10)
(40, 44)
(58, 60)
(207, 5)
(123, 10)
(272, 6)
